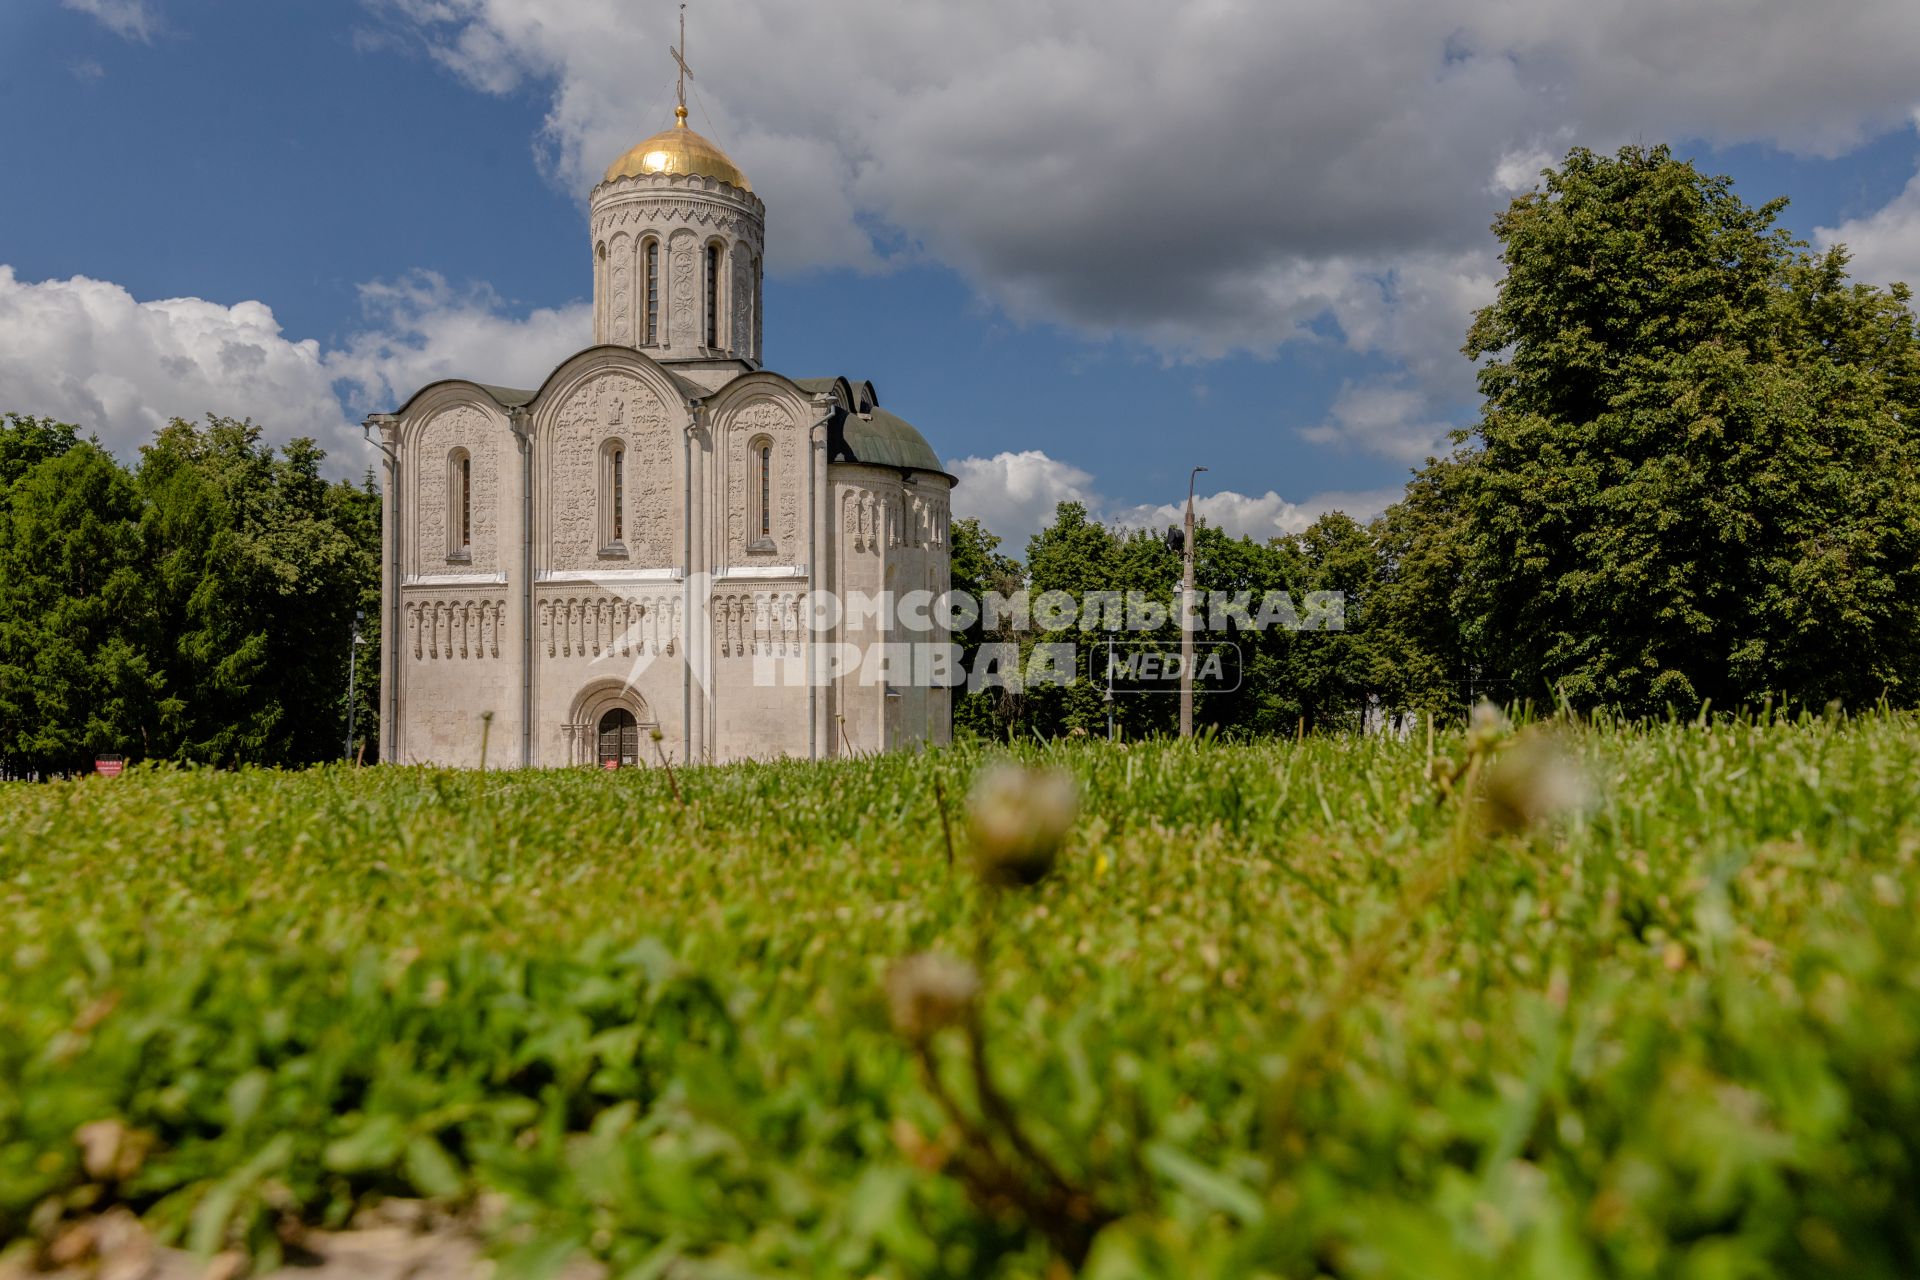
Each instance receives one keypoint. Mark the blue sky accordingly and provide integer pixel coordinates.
(1081, 258)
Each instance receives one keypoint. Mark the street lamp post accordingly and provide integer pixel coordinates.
(353, 664)
(1186, 622)
(1110, 728)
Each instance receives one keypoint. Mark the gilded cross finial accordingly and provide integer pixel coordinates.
(686, 72)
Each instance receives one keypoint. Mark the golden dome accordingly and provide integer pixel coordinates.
(678, 150)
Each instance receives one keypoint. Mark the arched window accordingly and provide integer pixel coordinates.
(619, 494)
(619, 739)
(650, 276)
(760, 494)
(460, 503)
(613, 498)
(765, 462)
(713, 295)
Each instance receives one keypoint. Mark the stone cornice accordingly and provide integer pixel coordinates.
(692, 186)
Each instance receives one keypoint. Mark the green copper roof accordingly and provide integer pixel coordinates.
(508, 397)
(888, 441)
(880, 438)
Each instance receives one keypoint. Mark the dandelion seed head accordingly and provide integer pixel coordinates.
(1019, 818)
(929, 992)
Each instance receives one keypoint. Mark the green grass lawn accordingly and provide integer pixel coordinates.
(1283, 1009)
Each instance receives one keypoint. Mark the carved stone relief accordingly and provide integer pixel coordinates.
(872, 520)
(758, 297)
(749, 623)
(683, 315)
(790, 477)
(612, 405)
(595, 624)
(620, 253)
(466, 427)
(742, 343)
(455, 628)
(763, 418)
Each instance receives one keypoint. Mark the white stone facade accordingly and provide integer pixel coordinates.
(642, 532)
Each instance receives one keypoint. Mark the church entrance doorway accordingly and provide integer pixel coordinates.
(608, 727)
(619, 739)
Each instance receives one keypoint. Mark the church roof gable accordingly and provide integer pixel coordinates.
(874, 437)
(508, 397)
(521, 397)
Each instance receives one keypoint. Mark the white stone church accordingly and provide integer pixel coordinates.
(573, 568)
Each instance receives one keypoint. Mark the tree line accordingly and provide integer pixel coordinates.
(197, 606)
(1694, 483)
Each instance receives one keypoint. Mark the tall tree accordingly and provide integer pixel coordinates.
(76, 677)
(979, 567)
(1336, 675)
(27, 441)
(1696, 475)
(261, 565)
(1324, 679)
(1420, 618)
(1075, 554)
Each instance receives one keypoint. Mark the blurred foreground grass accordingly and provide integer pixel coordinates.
(1674, 1035)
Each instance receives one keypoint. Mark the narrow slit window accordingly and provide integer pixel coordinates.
(766, 491)
(713, 295)
(466, 503)
(619, 495)
(651, 270)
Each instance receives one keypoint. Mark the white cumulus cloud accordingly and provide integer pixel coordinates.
(1384, 418)
(424, 330)
(1885, 244)
(133, 19)
(1261, 516)
(1203, 179)
(88, 352)
(1014, 495)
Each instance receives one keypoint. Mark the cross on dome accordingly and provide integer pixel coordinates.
(679, 150)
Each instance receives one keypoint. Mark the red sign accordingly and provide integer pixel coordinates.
(109, 766)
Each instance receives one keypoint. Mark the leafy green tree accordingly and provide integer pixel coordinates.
(979, 567)
(1289, 679)
(76, 678)
(1335, 675)
(26, 441)
(1696, 474)
(261, 565)
(356, 510)
(1427, 664)
(1075, 554)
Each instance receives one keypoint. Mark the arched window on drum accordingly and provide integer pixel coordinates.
(715, 297)
(650, 291)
